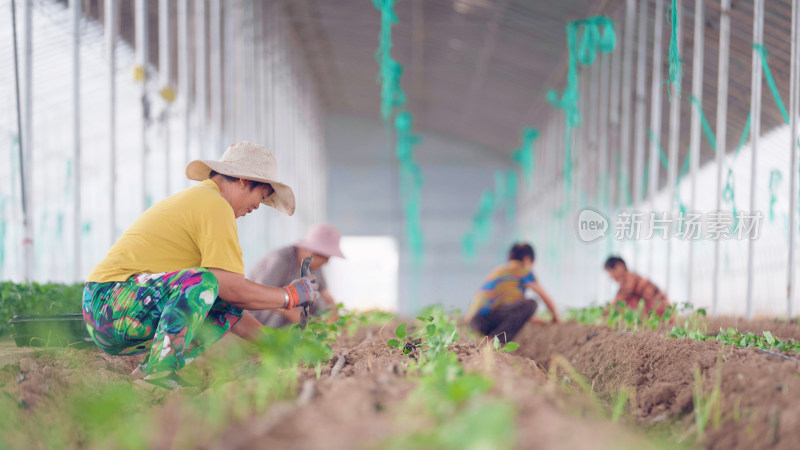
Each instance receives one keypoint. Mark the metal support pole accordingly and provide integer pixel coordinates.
(183, 76)
(655, 115)
(142, 62)
(228, 8)
(697, 93)
(201, 74)
(165, 73)
(18, 108)
(755, 131)
(794, 107)
(602, 166)
(640, 128)
(721, 131)
(674, 143)
(258, 68)
(593, 112)
(215, 26)
(640, 141)
(110, 29)
(614, 125)
(27, 131)
(625, 128)
(75, 5)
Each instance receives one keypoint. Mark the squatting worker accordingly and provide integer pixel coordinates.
(282, 266)
(500, 307)
(174, 282)
(633, 287)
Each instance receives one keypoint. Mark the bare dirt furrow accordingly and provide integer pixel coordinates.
(760, 399)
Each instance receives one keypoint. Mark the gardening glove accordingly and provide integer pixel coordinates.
(301, 291)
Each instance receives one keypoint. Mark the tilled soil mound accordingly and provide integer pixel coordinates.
(366, 405)
(779, 328)
(760, 399)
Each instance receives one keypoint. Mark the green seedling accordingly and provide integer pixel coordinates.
(508, 347)
(706, 404)
(619, 404)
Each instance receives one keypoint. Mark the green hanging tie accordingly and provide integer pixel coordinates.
(762, 52)
(775, 178)
(584, 41)
(410, 183)
(392, 95)
(675, 64)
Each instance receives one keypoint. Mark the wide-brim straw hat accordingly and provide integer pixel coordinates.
(250, 162)
(323, 240)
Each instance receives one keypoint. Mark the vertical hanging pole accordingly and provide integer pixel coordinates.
(640, 139)
(20, 133)
(141, 62)
(165, 73)
(255, 86)
(183, 75)
(721, 131)
(655, 116)
(755, 131)
(258, 68)
(794, 106)
(110, 29)
(230, 80)
(614, 124)
(641, 117)
(201, 74)
(697, 93)
(266, 95)
(27, 132)
(594, 91)
(625, 128)
(215, 25)
(674, 142)
(602, 166)
(75, 5)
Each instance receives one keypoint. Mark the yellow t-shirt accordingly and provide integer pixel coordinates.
(193, 228)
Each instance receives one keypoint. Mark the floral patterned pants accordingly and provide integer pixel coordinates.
(173, 315)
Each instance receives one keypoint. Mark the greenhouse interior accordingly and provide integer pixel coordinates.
(399, 224)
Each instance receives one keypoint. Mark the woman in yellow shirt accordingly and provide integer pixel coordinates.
(161, 287)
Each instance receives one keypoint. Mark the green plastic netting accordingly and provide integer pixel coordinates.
(584, 41)
(675, 64)
(392, 98)
(503, 197)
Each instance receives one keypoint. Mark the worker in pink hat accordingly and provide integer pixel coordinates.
(321, 243)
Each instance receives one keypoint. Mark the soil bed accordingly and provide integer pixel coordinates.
(368, 404)
(760, 393)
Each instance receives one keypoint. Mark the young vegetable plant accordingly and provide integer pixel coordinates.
(508, 347)
(403, 341)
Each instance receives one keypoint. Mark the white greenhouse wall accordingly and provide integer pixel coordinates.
(297, 143)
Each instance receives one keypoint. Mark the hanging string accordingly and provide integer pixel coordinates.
(775, 178)
(392, 98)
(665, 163)
(523, 156)
(410, 182)
(503, 197)
(712, 140)
(762, 52)
(584, 41)
(392, 95)
(675, 64)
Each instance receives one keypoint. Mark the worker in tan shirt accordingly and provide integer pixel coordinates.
(634, 287)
